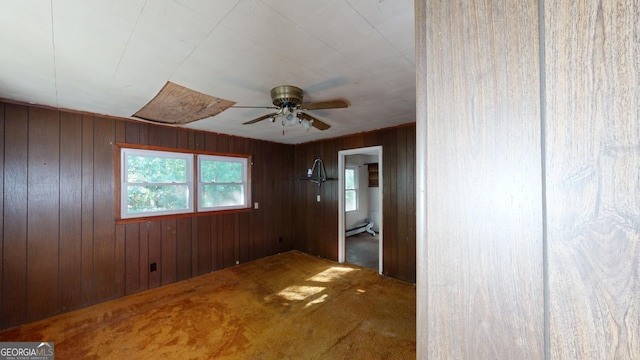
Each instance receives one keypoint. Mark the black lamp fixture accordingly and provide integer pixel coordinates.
(317, 174)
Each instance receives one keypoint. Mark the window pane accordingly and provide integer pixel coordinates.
(350, 200)
(156, 198)
(222, 195)
(148, 169)
(222, 182)
(220, 171)
(349, 179)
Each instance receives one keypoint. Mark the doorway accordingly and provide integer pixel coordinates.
(362, 159)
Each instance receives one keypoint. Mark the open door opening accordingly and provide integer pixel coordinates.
(360, 207)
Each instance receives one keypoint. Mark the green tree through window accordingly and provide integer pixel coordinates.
(350, 190)
(222, 182)
(156, 182)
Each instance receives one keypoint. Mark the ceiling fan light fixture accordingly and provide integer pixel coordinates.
(291, 111)
(290, 119)
(306, 124)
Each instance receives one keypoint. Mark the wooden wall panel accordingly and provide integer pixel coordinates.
(205, 238)
(390, 203)
(120, 261)
(169, 252)
(87, 210)
(259, 195)
(43, 202)
(404, 196)
(316, 224)
(227, 224)
(183, 248)
(479, 75)
(329, 198)
(314, 219)
(593, 178)
(61, 248)
(217, 242)
(410, 198)
(243, 245)
(14, 264)
(103, 210)
(155, 253)
(155, 135)
(283, 208)
(195, 252)
(144, 255)
(132, 258)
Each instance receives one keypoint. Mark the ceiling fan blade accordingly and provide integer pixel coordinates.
(328, 104)
(254, 107)
(259, 119)
(318, 124)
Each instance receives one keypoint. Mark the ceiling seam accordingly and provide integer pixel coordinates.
(204, 38)
(306, 31)
(53, 52)
(135, 26)
(378, 31)
(300, 27)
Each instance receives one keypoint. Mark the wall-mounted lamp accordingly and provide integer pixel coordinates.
(317, 173)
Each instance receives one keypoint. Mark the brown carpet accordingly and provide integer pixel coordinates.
(287, 306)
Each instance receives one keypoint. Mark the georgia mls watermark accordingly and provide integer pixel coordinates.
(26, 351)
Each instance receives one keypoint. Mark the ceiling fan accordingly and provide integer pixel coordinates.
(292, 111)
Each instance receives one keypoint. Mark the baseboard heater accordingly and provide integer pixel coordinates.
(360, 228)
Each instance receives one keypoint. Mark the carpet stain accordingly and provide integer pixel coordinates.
(286, 306)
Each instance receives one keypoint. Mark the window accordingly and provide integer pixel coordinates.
(155, 183)
(350, 189)
(158, 182)
(222, 183)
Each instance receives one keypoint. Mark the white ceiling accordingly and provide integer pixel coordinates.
(112, 57)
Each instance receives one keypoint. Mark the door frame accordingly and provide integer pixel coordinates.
(371, 150)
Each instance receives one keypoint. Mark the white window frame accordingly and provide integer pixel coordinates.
(124, 184)
(245, 183)
(355, 189)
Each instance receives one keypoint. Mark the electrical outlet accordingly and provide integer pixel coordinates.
(153, 267)
(318, 198)
(255, 205)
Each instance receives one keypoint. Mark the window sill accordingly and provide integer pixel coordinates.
(179, 216)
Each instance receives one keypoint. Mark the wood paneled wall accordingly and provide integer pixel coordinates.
(316, 223)
(61, 248)
(593, 178)
(529, 236)
(483, 181)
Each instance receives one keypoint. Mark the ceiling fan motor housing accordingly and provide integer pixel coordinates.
(286, 96)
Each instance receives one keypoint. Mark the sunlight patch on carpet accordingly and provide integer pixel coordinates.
(331, 274)
(298, 292)
(319, 300)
